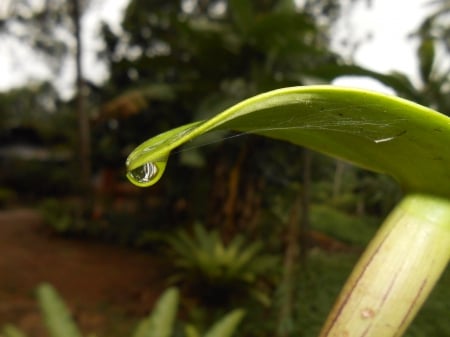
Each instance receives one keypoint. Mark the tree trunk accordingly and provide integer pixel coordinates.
(338, 177)
(82, 115)
(297, 243)
(292, 251)
(305, 204)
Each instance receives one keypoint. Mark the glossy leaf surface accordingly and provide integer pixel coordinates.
(378, 132)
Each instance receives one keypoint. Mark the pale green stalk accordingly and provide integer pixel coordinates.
(396, 273)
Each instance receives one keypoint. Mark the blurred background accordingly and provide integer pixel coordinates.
(235, 222)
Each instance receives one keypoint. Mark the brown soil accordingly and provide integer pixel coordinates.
(106, 287)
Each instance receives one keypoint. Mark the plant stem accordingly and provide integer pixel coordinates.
(396, 273)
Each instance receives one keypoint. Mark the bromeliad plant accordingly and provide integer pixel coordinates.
(220, 272)
(381, 133)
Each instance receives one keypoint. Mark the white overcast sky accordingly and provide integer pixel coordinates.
(388, 21)
(390, 24)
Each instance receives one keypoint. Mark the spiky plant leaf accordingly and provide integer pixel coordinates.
(57, 316)
(226, 326)
(10, 330)
(161, 320)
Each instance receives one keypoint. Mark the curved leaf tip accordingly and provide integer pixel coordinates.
(381, 133)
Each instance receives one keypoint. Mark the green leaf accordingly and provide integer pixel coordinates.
(10, 330)
(242, 13)
(245, 257)
(56, 314)
(227, 325)
(191, 331)
(161, 321)
(426, 53)
(378, 132)
(286, 6)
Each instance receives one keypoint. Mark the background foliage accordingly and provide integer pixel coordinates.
(178, 61)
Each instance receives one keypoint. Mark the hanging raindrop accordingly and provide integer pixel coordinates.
(144, 174)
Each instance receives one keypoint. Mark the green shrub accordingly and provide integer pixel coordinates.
(58, 215)
(219, 273)
(7, 196)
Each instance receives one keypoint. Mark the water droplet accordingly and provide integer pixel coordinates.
(143, 175)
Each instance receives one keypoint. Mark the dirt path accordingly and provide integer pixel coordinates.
(94, 279)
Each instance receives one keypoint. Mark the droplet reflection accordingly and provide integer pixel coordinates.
(143, 174)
